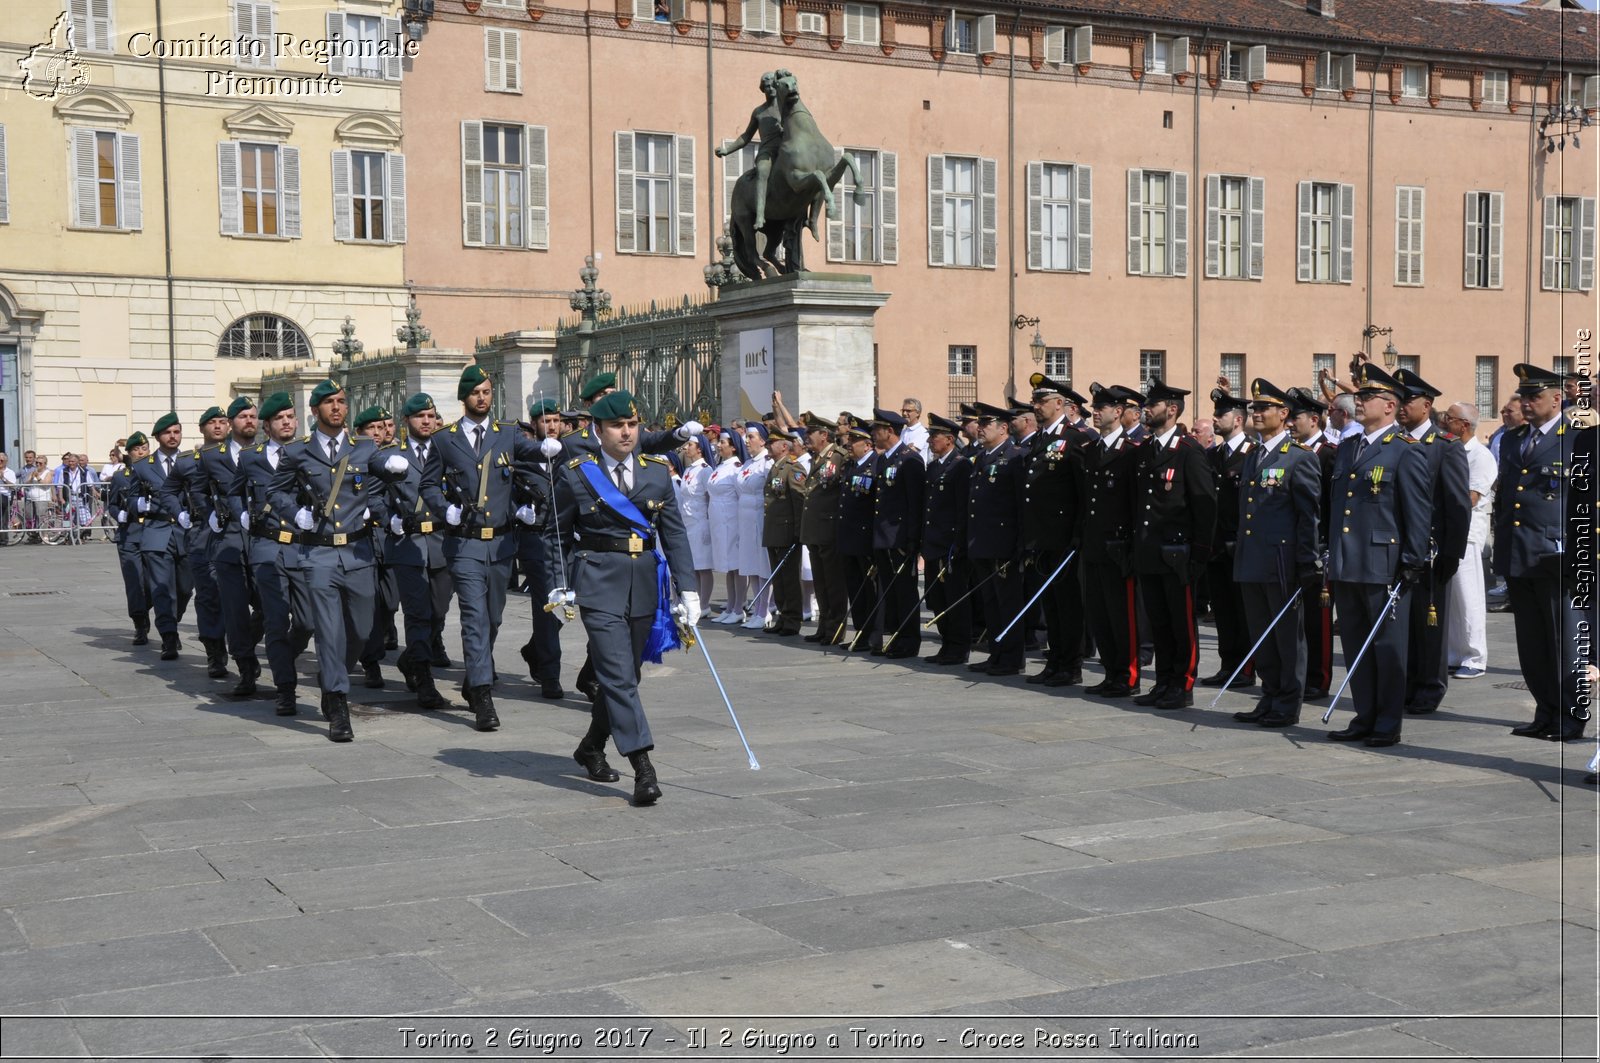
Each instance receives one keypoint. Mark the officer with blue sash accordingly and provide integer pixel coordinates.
(130, 529)
(620, 528)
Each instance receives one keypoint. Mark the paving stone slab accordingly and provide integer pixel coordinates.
(1381, 1044)
(1436, 806)
(50, 973)
(1497, 1037)
(1120, 775)
(148, 912)
(889, 769)
(111, 874)
(424, 878)
(1146, 885)
(404, 802)
(1012, 756)
(869, 870)
(365, 847)
(690, 810)
(35, 1030)
(248, 824)
(71, 834)
(1394, 854)
(1165, 836)
(1238, 792)
(676, 852)
(884, 797)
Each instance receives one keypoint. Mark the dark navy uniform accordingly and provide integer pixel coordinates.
(275, 567)
(1110, 591)
(161, 545)
(783, 505)
(897, 502)
(1175, 507)
(994, 545)
(1319, 610)
(1228, 470)
(241, 607)
(819, 533)
(1052, 501)
(855, 547)
(130, 530)
(1427, 666)
(187, 490)
(944, 552)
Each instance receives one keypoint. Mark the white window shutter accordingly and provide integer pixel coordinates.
(888, 207)
(1083, 218)
(624, 152)
(1324, 69)
(472, 183)
(989, 212)
(985, 34)
(1257, 222)
(85, 196)
(266, 29)
(513, 60)
(935, 210)
(678, 11)
(5, 188)
(1035, 215)
(394, 33)
(1135, 219)
(1591, 93)
(244, 30)
(1402, 235)
(494, 64)
(131, 213)
(950, 30)
(1347, 233)
(1586, 244)
(1180, 224)
(1082, 45)
(730, 177)
(1549, 274)
(538, 194)
(646, 10)
(841, 196)
(1055, 44)
(336, 64)
(683, 176)
(343, 209)
(1469, 240)
(1303, 237)
(1178, 63)
(1256, 63)
(228, 205)
(1496, 217)
(1213, 225)
(1347, 72)
(289, 192)
(100, 34)
(395, 202)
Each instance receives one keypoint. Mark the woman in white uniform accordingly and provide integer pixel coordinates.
(694, 500)
(754, 564)
(723, 494)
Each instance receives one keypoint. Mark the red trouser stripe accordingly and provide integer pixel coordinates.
(1133, 634)
(1189, 632)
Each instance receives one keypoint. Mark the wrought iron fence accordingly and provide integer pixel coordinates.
(375, 380)
(669, 357)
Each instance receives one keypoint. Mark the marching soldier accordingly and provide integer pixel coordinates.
(327, 480)
(161, 543)
(1537, 463)
(1051, 511)
(896, 533)
(1175, 510)
(130, 529)
(855, 537)
(542, 652)
(241, 608)
(944, 541)
(819, 528)
(275, 567)
(994, 498)
(1427, 670)
(185, 491)
(1110, 592)
(782, 505)
(469, 479)
(1377, 535)
(1276, 553)
(1228, 460)
(619, 517)
(377, 424)
(1307, 424)
(414, 549)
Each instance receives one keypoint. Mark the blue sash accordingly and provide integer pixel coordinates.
(664, 630)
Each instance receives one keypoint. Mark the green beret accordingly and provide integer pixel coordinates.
(371, 414)
(137, 440)
(537, 410)
(421, 402)
(597, 385)
(325, 390)
(166, 421)
(614, 406)
(275, 404)
(212, 413)
(238, 406)
(471, 377)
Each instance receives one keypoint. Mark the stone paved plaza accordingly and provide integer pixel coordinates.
(1015, 872)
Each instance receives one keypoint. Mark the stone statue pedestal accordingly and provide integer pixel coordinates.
(808, 335)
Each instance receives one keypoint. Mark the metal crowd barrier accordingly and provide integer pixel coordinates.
(54, 515)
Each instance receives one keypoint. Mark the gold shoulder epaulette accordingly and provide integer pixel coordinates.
(261, 448)
(1285, 448)
(452, 428)
(655, 458)
(575, 462)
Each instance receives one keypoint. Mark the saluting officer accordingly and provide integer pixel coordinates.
(1110, 591)
(897, 533)
(1307, 425)
(377, 424)
(328, 481)
(1228, 459)
(855, 537)
(1427, 668)
(819, 527)
(130, 530)
(1377, 534)
(1537, 466)
(161, 545)
(542, 651)
(1052, 512)
(241, 607)
(414, 549)
(782, 505)
(994, 544)
(618, 516)
(944, 541)
(275, 568)
(469, 480)
(1277, 552)
(1175, 510)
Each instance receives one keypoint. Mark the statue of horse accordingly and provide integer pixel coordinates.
(801, 185)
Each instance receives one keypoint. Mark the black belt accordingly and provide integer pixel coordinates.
(484, 534)
(611, 544)
(336, 539)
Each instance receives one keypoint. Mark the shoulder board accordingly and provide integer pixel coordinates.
(151, 460)
(1451, 436)
(497, 426)
(657, 458)
(1285, 448)
(575, 462)
(1302, 446)
(306, 438)
(1244, 448)
(261, 448)
(453, 427)
(583, 434)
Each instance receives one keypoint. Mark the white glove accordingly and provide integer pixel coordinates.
(527, 515)
(244, 520)
(550, 448)
(452, 515)
(183, 520)
(142, 505)
(689, 429)
(215, 524)
(304, 520)
(397, 525)
(689, 607)
(366, 515)
(397, 464)
(558, 599)
(122, 516)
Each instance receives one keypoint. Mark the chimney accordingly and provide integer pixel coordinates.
(1320, 7)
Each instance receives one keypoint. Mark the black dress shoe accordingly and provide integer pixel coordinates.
(1353, 733)
(249, 670)
(552, 689)
(1420, 710)
(286, 704)
(1215, 680)
(1313, 695)
(1558, 735)
(1015, 669)
(439, 658)
(531, 659)
(815, 636)
(481, 700)
(1531, 730)
(216, 658)
(593, 761)
(1279, 719)
(1151, 698)
(978, 666)
(169, 647)
(1255, 715)
(876, 651)
(428, 697)
(392, 642)
(899, 655)
(1115, 690)
(336, 707)
(646, 791)
(374, 675)
(1377, 741)
(1065, 679)
(1041, 677)
(1176, 699)
(141, 635)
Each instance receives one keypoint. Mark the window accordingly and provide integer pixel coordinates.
(1414, 81)
(1562, 363)
(369, 197)
(1496, 86)
(1486, 385)
(1319, 362)
(1059, 218)
(761, 16)
(264, 336)
(1235, 220)
(813, 22)
(1058, 364)
(1335, 73)
(1411, 363)
(963, 360)
(365, 31)
(962, 379)
(735, 166)
(502, 60)
(258, 189)
(1326, 232)
(105, 180)
(371, 46)
(253, 29)
(655, 194)
(505, 186)
(1580, 91)
(1408, 235)
(1158, 55)
(1158, 223)
(1568, 244)
(961, 211)
(867, 231)
(862, 24)
(1484, 212)
(91, 25)
(1151, 364)
(969, 34)
(1233, 370)
(1241, 62)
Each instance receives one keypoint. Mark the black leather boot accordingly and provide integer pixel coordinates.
(594, 762)
(645, 789)
(141, 630)
(169, 646)
(286, 705)
(428, 696)
(481, 699)
(374, 675)
(408, 672)
(338, 712)
(440, 659)
(249, 670)
(216, 658)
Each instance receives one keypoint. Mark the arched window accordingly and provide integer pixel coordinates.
(264, 336)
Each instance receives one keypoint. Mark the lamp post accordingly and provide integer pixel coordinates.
(1391, 357)
(347, 347)
(591, 301)
(724, 272)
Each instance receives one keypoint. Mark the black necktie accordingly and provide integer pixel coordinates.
(1361, 448)
(477, 440)
(333, 446)
(622, 476)
(1527, 442)
(166, 466)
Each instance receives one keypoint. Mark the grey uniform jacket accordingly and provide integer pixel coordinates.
(422, 545)
(1381, 510)
(1280, 499)
(161, 529)
(482, 485)
(306, 478)
(250, 494)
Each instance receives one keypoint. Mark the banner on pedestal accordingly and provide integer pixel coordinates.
(756, 378)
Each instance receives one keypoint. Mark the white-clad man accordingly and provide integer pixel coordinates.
(916, 434)
(1466, 638)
